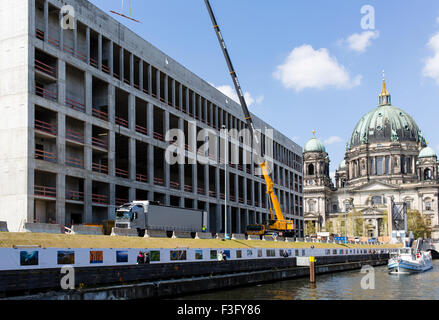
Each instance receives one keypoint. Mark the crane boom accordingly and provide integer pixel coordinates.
(279, 223)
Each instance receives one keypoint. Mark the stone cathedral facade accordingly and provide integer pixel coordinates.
(387, 158)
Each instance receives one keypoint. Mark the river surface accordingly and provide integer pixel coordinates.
(339, 286)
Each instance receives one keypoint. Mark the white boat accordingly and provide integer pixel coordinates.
(409, 260)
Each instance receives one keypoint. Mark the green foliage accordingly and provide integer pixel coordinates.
(417, 223)
(310, 228)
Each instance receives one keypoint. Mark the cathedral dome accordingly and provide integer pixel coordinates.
(314, 145)
(386, 123)
(427, 152)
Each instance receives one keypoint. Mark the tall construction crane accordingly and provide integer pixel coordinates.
(277, 223)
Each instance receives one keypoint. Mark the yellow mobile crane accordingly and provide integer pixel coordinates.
(277, 223)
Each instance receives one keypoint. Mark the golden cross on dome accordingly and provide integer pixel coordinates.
(314, 133)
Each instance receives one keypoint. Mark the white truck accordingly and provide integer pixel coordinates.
(150, 215)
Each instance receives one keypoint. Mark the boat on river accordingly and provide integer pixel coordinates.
(410, 260)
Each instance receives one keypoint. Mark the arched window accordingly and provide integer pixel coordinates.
(311, 170)
(427, 174)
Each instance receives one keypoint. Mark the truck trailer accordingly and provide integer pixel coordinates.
(150, 215)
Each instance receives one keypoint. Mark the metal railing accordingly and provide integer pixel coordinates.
(45, 156)
(122, 173)
(45, 68)
(74, 162)
(121, 121)
(99, 199)
(99, 114)
(159, 181)
(100, 168)
(45, 127)
(47, 94)
(141, 129)
(74, 195)
(141, 178)
(99, 143)
(74, 136)
(46, 192)
(75, 105)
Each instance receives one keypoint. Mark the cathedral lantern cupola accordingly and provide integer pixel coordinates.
(384, 97)
(316, 163)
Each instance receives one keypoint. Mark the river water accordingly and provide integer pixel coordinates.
(339, 286)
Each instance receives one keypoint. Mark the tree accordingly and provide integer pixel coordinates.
(418, 223)
(310, 228)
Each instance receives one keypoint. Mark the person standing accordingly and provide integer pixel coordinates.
(146, 259)
(140, 258)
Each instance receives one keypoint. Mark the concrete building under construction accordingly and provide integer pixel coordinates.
(86, 113)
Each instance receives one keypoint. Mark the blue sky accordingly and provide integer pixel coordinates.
(306, 64)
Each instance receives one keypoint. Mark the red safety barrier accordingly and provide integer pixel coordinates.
(116, 75)
(44, 155)
(201, 190)
(74, 195)
(141, 129)
(45, 127)
(188, 188)
(81, 56)
(122, 173)
(121, 121)
(68, 49)
(47, 192)
(99, 199)
(99, 143)
(222, 196)
(159, 181)
(39, 34)
(145, 91)
(45, 68)
(174, 185)
(141, 177)
(96, 167)
(54, 42)
(74, 136)
(75, 105)
(99, 114)
(74, 162)
(158, 136)
(94, 63)
(47, 94)
(106, 68)
(212, 194)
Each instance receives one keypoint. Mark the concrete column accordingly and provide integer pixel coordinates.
(229, 219)
(112, 200)
(100, 51)
(88, 93)
(61, 198)
(121, 65)
(181, 165)
(88, 151)
(150, 119)
(111, 103)
(61, 32)
(141, 75)
(131, 79)
(149, 79)
(61, 81)
(88, 205)
(173, 93)
(151, 164)
(158, 84)
(75, 38)
(46, 20)
(167, 168)
(180, 96)
(218, 217)
(61, 139)
(206, 179)
(132, 159)
(111, 58)
(166, 90)
(132, 112)
(112, 154)
(87, 37)
(237, 187)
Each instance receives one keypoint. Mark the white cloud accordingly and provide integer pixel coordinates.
(360, 41)
(431, 67)
(231, 93)
(332, 140)
(308, 68)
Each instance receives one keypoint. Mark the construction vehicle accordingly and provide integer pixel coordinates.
(277, 224)
(150, 215)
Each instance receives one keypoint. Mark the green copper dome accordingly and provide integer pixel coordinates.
(427, 152)
(314, 145)
(386, 123)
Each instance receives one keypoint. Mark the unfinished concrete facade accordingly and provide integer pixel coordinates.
(86, 115)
